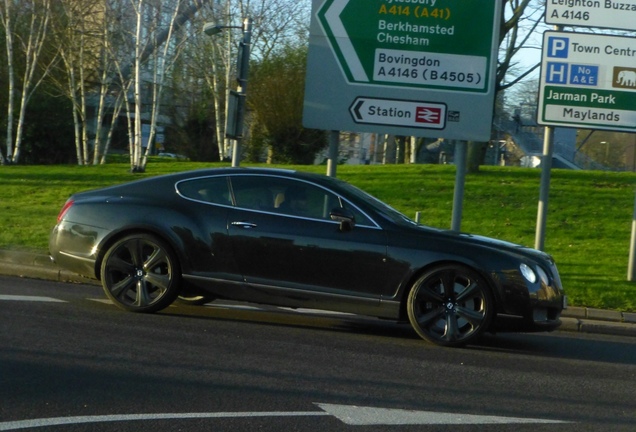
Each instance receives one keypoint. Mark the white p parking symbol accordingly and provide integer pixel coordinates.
(558, 47)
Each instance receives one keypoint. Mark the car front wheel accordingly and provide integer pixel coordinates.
(140, 273)
(450, 305)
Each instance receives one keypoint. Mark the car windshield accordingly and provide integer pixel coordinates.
(379, 206)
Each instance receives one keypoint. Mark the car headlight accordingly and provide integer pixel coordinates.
(528, 273)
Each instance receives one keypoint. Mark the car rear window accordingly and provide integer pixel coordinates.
(213, 190)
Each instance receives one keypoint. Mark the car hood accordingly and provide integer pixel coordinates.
(511, 247)
(493, 243)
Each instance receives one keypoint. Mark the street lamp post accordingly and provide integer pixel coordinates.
(235, 115)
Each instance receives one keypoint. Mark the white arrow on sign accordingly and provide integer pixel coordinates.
(342, 39)
(350, 415)
(425, 115)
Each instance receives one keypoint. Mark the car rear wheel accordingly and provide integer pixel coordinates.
(450, 305)
(140, 273)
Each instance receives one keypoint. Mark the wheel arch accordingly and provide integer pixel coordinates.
(114, 237)
(488, 279)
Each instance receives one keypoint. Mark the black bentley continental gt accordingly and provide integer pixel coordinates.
(295, 239)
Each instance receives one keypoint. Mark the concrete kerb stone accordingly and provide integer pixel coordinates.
(576, 319)
(583, 313)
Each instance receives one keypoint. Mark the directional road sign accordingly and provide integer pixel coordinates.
(589, 81)
(399, 113)
(393, 66)
(613, 14)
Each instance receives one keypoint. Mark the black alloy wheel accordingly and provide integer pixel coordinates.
(140, 273)
(450, 305)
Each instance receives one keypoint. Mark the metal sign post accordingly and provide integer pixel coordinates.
(544, 192)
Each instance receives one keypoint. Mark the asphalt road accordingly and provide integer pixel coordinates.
(71, 361)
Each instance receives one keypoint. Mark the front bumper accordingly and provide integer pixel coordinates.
(531, 306)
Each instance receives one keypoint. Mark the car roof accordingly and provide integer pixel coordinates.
(141, 185)
(318, 178)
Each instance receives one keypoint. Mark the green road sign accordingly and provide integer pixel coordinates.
(416, 43)
(405, 67)
(589, 81)
(609, 14)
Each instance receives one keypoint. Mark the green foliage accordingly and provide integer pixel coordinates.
(48, 131)
(588, 228)
(276, 98)
(195, 139)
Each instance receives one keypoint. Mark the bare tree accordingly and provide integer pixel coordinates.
(109, 49)
(29, 42)
(152, 32)
(520, 21)
(77, 29)
(164, 60)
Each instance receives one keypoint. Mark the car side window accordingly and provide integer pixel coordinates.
(305, 200)
(283, 196)
(213, 190)
(290, 197)
(253, 192)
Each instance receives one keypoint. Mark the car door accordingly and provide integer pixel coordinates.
(295, 245)
(209, 250)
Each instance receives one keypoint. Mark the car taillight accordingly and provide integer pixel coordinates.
(64, 210)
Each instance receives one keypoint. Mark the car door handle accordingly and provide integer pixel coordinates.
(246, 225)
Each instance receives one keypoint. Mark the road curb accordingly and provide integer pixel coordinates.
(37, 266)
(574, 319)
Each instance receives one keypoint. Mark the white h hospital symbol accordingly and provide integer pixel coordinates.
(557, 72)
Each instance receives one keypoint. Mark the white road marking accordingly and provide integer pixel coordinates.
(235, 307)
(57, 421)
(105, 301)
(30, 298)
(319, 312)
(368, 416)
(277, 309)
(350, 415)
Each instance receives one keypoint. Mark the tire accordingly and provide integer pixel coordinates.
(195, 300)
(140, 273)
(450, 305)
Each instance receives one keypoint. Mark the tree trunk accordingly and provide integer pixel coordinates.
(10, 69)
(475, 156)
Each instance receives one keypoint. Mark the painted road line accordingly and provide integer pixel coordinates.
(368, 416)
(30, 299)
(348, 414)
(59, 421)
